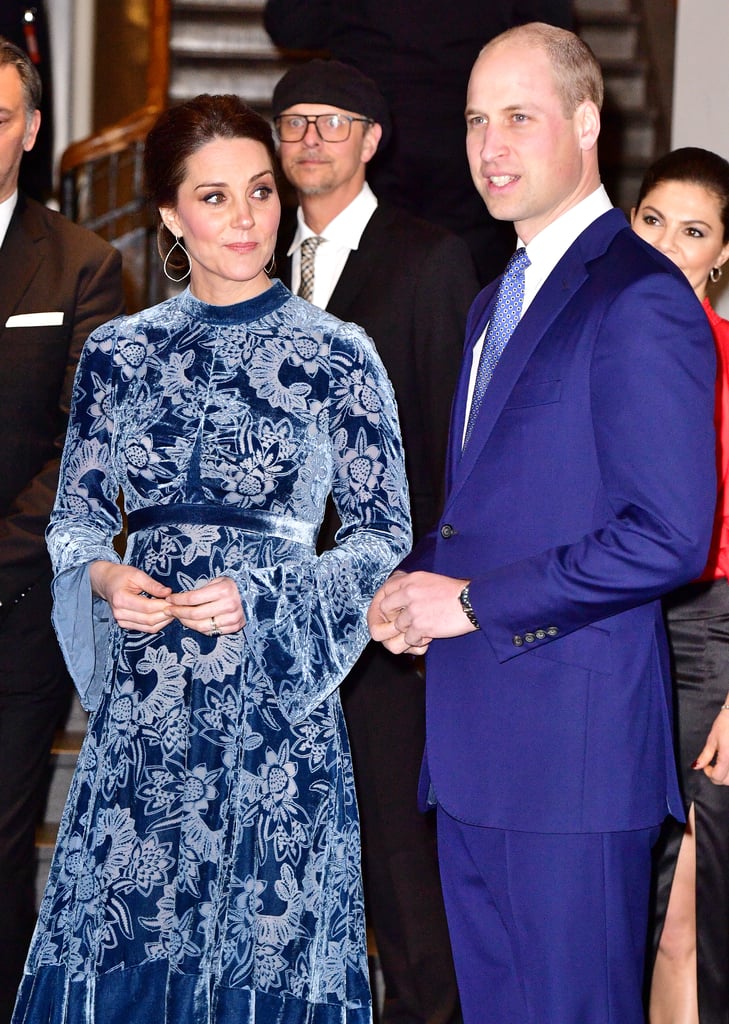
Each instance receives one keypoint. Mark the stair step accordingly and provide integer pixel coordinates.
(215, 7)
(67, 744)
(210, 41)
(626, 84)
(612, 38)
(629, 135)
(582, 8)
(46, 835)
(254, 84)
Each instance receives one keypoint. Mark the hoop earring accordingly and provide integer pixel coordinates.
(715, 273)
(268, 270)
(168, 275)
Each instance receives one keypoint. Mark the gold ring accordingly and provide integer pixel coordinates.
(214, 631)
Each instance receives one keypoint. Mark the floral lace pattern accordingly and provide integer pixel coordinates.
(210, 843)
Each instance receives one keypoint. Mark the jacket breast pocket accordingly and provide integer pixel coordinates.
(534, 393)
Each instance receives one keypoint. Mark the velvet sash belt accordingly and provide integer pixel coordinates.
(250, 520)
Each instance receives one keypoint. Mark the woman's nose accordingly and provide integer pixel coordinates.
(242, 215)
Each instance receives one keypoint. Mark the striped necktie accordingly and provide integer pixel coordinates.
(308, 251)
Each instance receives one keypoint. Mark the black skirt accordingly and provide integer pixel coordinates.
(697, 620)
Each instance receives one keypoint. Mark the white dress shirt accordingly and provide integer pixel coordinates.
(545, 251)
(341, 236)
(7, 208)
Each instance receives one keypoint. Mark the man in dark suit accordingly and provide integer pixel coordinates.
(409, 284)
(580, 489)
(57, 283)
(420, 55)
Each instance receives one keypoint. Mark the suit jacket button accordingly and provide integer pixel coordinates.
(552, 631)
(530, 638)
(447, 531)
(540, 634)
(518, 641)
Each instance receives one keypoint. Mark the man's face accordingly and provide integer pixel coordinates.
(16, 136)
(529, 162)
(315, 167)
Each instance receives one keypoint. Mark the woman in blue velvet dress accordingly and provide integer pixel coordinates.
(207, 867)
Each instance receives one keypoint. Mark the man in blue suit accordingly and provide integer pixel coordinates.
(584, 490)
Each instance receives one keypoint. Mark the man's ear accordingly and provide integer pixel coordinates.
(32, 131)
(371, 141)
(588, 120)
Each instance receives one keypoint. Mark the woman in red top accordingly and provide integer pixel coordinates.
(683, 210)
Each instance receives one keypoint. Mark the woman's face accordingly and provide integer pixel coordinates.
(683, 220)
(227, 215)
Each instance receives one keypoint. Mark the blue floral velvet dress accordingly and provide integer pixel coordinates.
(207, 866)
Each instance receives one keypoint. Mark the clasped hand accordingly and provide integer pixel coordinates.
(411, 609)
(141, 603)
(714, 758)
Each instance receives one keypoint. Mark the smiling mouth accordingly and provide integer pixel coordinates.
(500, 180)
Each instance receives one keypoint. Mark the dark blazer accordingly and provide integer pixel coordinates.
(409, 284)
(47, 265)
(586, 491)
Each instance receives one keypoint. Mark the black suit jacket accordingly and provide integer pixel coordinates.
(48, 265)
(410, 285)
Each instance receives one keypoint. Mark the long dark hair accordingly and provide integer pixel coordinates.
(696, 167)
(181, 131)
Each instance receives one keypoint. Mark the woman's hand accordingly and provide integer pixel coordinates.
(212, 609)
(716, 750)
(136, 600)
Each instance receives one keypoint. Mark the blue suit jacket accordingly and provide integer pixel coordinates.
(586, 491)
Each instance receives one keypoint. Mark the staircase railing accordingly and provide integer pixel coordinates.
(101, 177)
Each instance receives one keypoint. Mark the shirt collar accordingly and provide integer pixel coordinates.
(7, 209)
(346, 229)
(548, 247)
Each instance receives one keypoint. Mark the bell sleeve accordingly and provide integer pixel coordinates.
(306, 616)
(85, 520)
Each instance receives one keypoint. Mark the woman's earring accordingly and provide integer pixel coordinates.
(168, 275)
(268, 270)
(714, 274)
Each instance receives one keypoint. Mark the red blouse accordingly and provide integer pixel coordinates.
(718, 563)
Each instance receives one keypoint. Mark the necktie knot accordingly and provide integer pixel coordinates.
(308, 252)
(504, 317)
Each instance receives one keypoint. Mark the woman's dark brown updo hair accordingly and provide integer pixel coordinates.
(692, 166)
(181, 131)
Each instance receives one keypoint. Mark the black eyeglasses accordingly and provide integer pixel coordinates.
(330, 127)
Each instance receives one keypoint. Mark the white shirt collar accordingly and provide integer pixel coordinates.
(347, 227)
(341, 236)
(548, 247)
(7, 209)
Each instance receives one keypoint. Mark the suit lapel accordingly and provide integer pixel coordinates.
(359, 265)
(20, 257)
(561, 285)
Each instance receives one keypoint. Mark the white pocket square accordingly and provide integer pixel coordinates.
(35, 320)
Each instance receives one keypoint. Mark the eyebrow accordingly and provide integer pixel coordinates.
(685, 221)
(224, 184)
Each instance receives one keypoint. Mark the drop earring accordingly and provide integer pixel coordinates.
(168, 275)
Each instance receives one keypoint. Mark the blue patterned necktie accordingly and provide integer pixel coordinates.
(504, 318)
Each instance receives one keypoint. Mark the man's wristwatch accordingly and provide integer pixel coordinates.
(467, 607)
